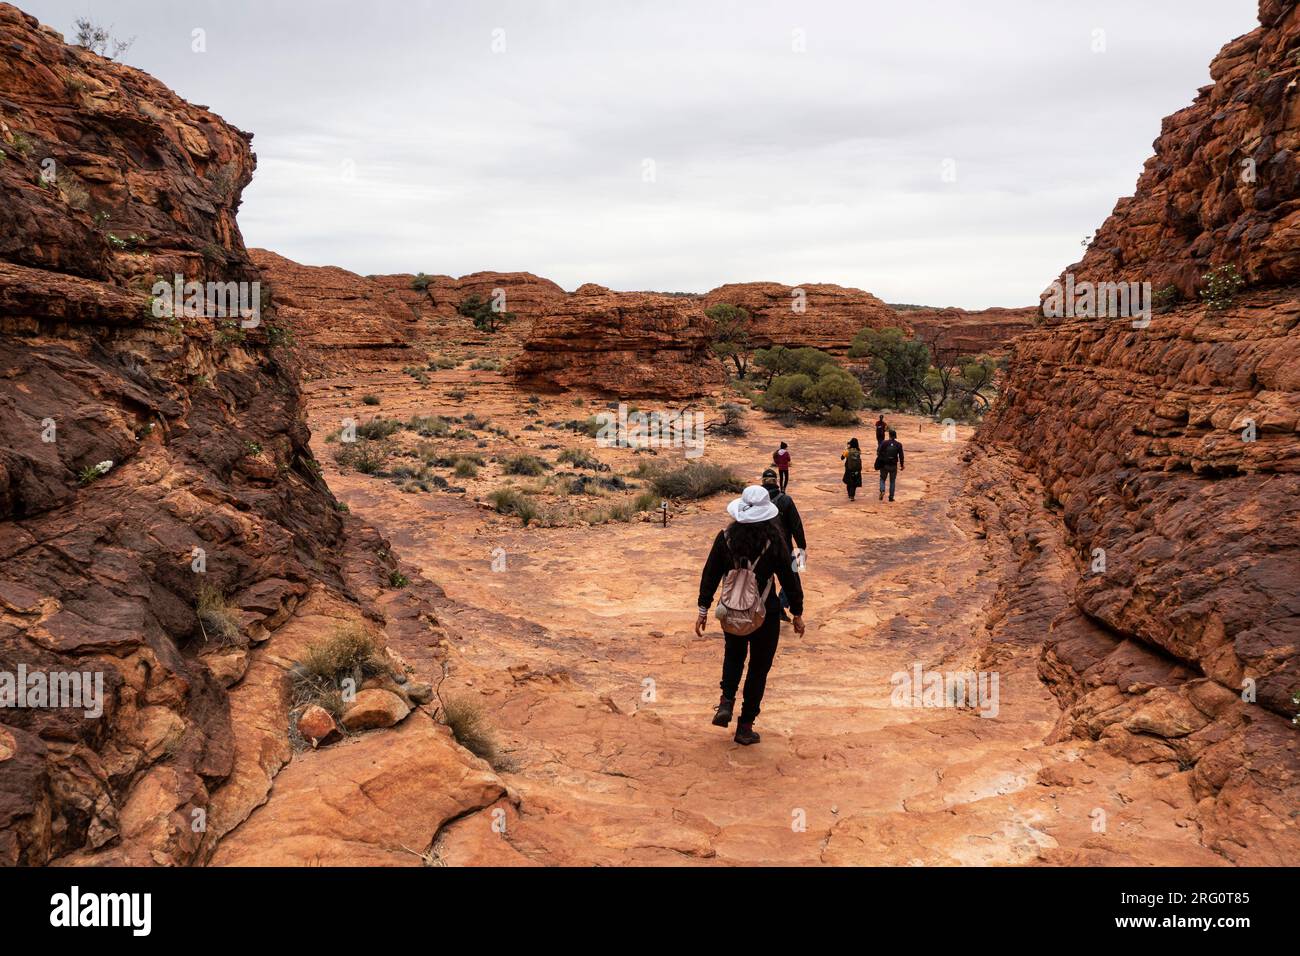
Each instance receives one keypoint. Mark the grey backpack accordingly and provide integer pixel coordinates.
(741, 608)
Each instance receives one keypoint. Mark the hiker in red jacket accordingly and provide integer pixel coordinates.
(781, 458)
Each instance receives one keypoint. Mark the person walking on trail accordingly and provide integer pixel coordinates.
(791, 527)
(852, 458)
(881, 428)
(781, 458)
(746, 556)
(889, 459)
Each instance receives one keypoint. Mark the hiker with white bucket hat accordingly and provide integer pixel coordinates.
(746, 556)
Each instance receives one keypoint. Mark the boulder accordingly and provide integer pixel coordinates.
(374, 708)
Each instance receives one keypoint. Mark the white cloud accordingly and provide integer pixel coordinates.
(821, 166)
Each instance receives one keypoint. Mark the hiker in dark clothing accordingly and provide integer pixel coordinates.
(889, 459)
(781, 458)
(752, 536)
(790, 522)
(852, 458)
(881, 428)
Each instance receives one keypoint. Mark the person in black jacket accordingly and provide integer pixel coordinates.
(790, 522)
(889, 459)
(754, 535)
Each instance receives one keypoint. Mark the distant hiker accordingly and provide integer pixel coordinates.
(790, 522)
(881, 428)
(781, 458)
(889, 459)
(745, 557)
(852, 458)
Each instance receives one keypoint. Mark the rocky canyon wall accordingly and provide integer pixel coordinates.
(1172, 456)
(109, 181)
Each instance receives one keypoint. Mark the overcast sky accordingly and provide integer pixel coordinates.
(677, 146)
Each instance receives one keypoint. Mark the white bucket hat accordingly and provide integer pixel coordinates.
(754, 505)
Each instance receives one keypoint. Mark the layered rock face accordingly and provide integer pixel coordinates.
(983, 331)
(201, 421)
(623, 344)
(816, 315)
(340, 318)
(1172, 454)
(527, 296)
(1222, 186)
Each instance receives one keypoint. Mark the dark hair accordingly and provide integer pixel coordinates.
(783, 445)
(853, 443)
(893, 434)
(746, 540)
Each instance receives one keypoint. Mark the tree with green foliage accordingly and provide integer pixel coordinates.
(827, 394)
(729, 327)
(484, 316)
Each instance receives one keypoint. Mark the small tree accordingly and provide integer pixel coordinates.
(97, 39)
(485, 318)
(729, 329)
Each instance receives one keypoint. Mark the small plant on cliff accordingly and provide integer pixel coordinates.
(470, 728)
(421, 282)
(92, 473)
(217, 619)
(1221, 286)
(370, 400)
(397, 580)
(1166, 298)
(350, 652)
(98, 39)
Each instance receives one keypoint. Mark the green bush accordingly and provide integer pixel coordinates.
(579, 459)
(378, 428)
(511, 501)
(370, 399)
(1221, 286)
(428, 426)
(528, 465)
(696, 479)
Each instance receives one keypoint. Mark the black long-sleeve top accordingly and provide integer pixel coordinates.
(776, 560)
(791, 523)
(896, 444)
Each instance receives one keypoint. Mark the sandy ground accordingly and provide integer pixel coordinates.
(580, 649)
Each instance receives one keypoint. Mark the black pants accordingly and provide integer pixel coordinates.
(784, 473)
(761, 648)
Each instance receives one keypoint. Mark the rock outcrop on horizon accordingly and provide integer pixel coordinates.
(1222, 186)
(339, 318)
(987, 331)
(817, 315)
(625, 344)
(1172, 457)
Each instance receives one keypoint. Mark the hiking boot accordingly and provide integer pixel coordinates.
(723, 715)
(882, 496)
(745, 735)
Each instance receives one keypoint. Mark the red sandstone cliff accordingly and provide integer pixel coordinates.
(340, 318)
(1173, 457)
(626, 344)
(818, 315)
(203, 425)
(982, 331)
